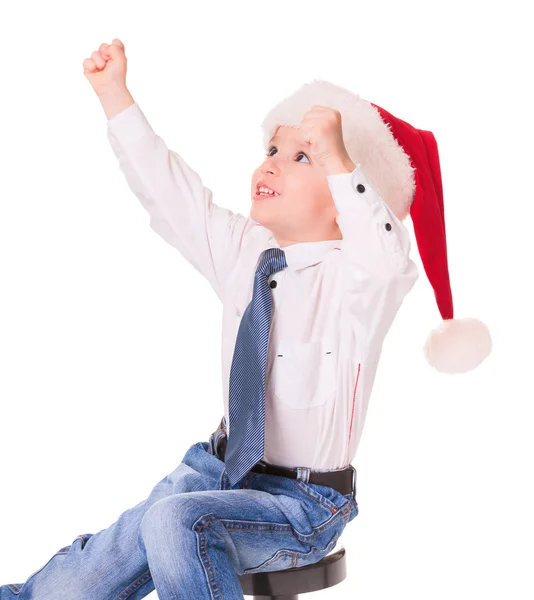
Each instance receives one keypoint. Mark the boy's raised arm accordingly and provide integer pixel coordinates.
(180, 206)
(181, 209)
(378, 270)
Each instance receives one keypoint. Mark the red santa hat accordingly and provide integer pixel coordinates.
(403, 164)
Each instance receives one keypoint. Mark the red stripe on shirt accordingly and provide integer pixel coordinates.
(354, 400)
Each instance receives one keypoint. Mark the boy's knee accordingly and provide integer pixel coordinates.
(170, 517)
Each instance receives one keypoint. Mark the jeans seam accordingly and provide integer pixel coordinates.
(273, 559)
(252, 526)
(210, 518)
(216, 583)
(314, 550)
(286, 528)
(203, 551)
(316, 531)
(202, 523)
(133, 587)
(333, 509)
(345, 510)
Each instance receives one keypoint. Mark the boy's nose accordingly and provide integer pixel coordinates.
(270, 168)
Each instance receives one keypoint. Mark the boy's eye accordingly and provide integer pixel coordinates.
(274, 148)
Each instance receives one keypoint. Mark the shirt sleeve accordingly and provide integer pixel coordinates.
(378, 271)
(181, 210)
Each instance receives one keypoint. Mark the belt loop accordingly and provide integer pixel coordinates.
(303, 473)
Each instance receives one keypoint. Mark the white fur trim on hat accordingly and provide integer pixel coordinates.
(367, 137)
(458, 345)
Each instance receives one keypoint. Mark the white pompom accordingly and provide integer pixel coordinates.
(458, 345)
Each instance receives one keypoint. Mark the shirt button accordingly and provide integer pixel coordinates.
(388, 226)
(273, 283)
(360, 187)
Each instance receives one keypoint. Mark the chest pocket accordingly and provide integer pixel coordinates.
(303, 374)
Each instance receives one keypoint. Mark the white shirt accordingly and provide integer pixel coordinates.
(332, 305)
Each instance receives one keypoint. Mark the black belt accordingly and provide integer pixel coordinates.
(344, 481)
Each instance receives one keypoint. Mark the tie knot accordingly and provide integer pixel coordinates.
(271, 261)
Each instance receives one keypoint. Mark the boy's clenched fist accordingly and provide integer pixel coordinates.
(106, 69)
(321, 129)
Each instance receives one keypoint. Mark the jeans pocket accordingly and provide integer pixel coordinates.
(327, 497)
(282, 559)
(287, 559)
(317, 552)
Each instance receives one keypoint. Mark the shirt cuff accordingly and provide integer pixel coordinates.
(343, 186)
(130, 125)
(358, 203)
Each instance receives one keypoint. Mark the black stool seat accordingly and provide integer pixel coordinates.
(289, 583)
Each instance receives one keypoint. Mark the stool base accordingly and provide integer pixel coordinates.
(289, 583)
(292, 597)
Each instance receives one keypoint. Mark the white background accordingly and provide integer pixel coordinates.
(109, 339)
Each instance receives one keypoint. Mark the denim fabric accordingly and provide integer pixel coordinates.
(194, 534)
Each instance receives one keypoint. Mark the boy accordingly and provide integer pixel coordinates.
(310, 284)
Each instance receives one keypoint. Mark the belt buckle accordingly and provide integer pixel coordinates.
(353, 482)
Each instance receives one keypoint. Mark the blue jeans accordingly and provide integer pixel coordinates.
(194, 534)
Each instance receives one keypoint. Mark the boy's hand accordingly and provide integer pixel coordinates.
(321, 129)
(106, 69)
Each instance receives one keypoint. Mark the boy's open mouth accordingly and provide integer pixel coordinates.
(264, 196)
(263, 190)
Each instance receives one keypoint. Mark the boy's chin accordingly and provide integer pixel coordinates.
(263, 220)
(262, 216)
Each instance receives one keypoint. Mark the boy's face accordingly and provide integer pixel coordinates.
(304, 210)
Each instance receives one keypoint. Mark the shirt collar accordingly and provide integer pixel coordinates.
(303, 254)
(298, 256)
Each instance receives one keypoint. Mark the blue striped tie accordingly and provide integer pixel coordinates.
(245, 444)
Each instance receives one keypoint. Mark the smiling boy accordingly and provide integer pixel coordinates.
(305, 210)
(310, 284)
